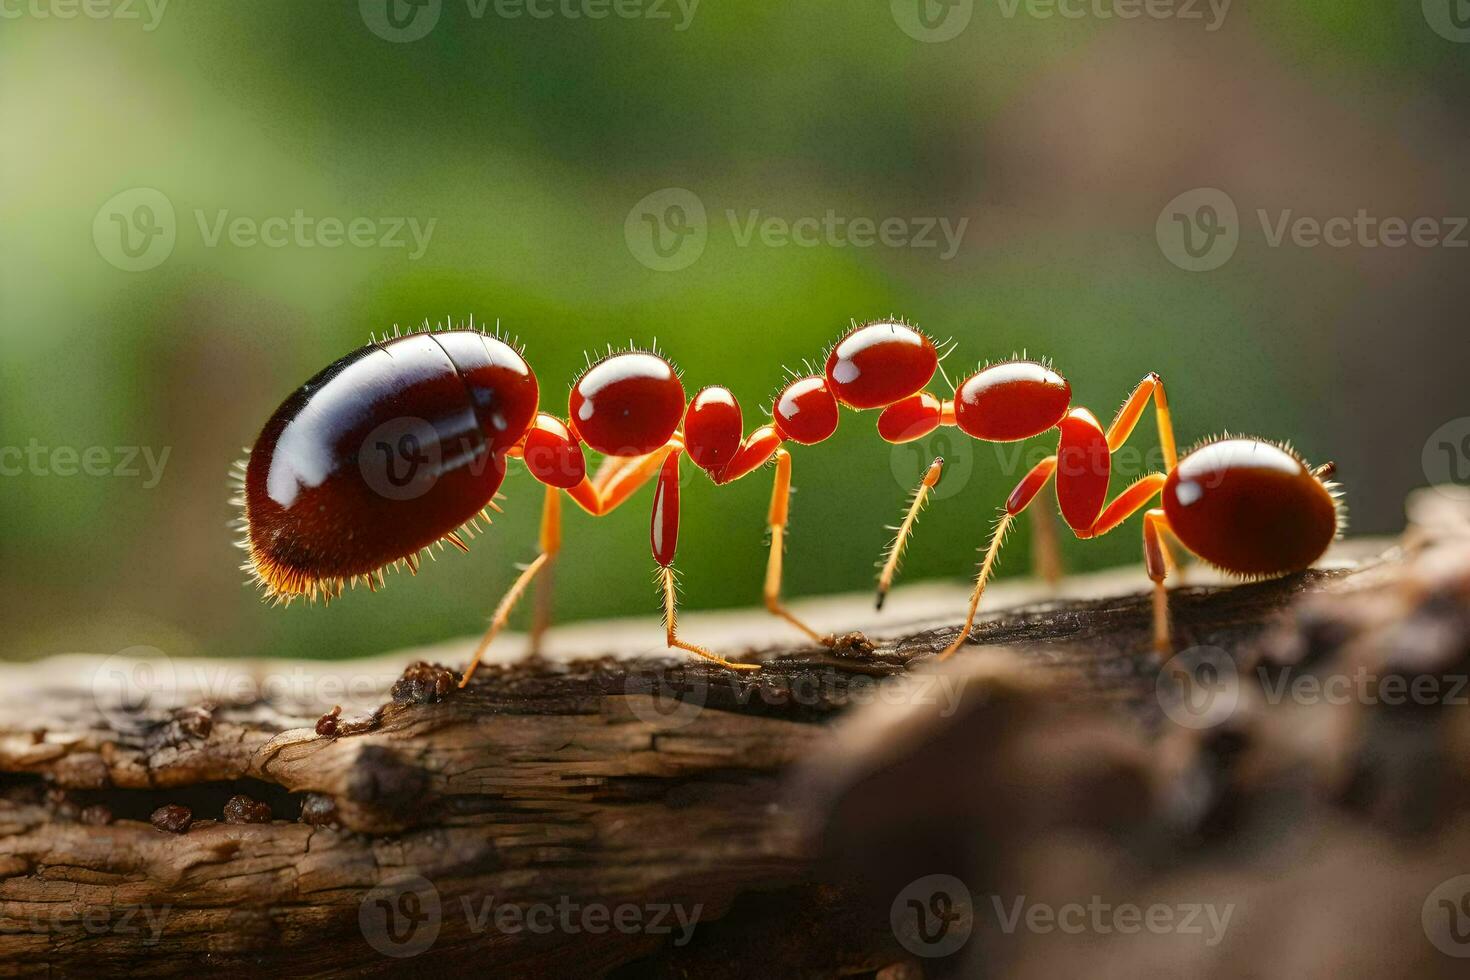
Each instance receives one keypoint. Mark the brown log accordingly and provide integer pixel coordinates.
(540, 821)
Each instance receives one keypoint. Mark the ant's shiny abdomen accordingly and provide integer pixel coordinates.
(1250, 507)
(387, 451)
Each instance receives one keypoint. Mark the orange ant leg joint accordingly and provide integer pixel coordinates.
(1046, 555)
(1154, 560)
(755, 452)
(997, 538)
(900, 539)
(664, 535)
(1132, 409)
(1019, 499)
(615, 483)
(1030, 485)
(671, 624)
(550, 545)
(1130, 501)
(777, 518)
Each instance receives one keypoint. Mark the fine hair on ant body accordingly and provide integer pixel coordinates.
(317, 514)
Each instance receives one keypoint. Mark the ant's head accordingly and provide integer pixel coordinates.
(627, 404)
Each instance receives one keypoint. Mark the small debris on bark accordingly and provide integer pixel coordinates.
(326, 725)
(423, 683)
(319, 810)
(173, 818)
(242, 809)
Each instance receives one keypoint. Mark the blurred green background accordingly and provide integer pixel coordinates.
(528, 140)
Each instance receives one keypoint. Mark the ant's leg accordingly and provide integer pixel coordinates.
(1132, 410)
(777, 519)
(615, 485)
(901, 535)
(1155, 552)
(1018, 501)
(550, 544)
(1154, 526)
(664, 537)
(1046, 549)
(617, 478)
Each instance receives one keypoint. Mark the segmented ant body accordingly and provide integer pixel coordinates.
(326, 504)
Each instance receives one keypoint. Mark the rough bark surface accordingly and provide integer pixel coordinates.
(425, 828)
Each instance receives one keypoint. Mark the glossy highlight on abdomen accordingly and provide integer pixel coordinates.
(385, 452)
(1011, 401)
(880, 363)
(1250, 507)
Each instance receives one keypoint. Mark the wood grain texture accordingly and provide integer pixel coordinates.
(784, 810)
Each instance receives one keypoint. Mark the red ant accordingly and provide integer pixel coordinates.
(317, 515)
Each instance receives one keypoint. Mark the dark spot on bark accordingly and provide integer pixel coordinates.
(96, 815)
(381, 779)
